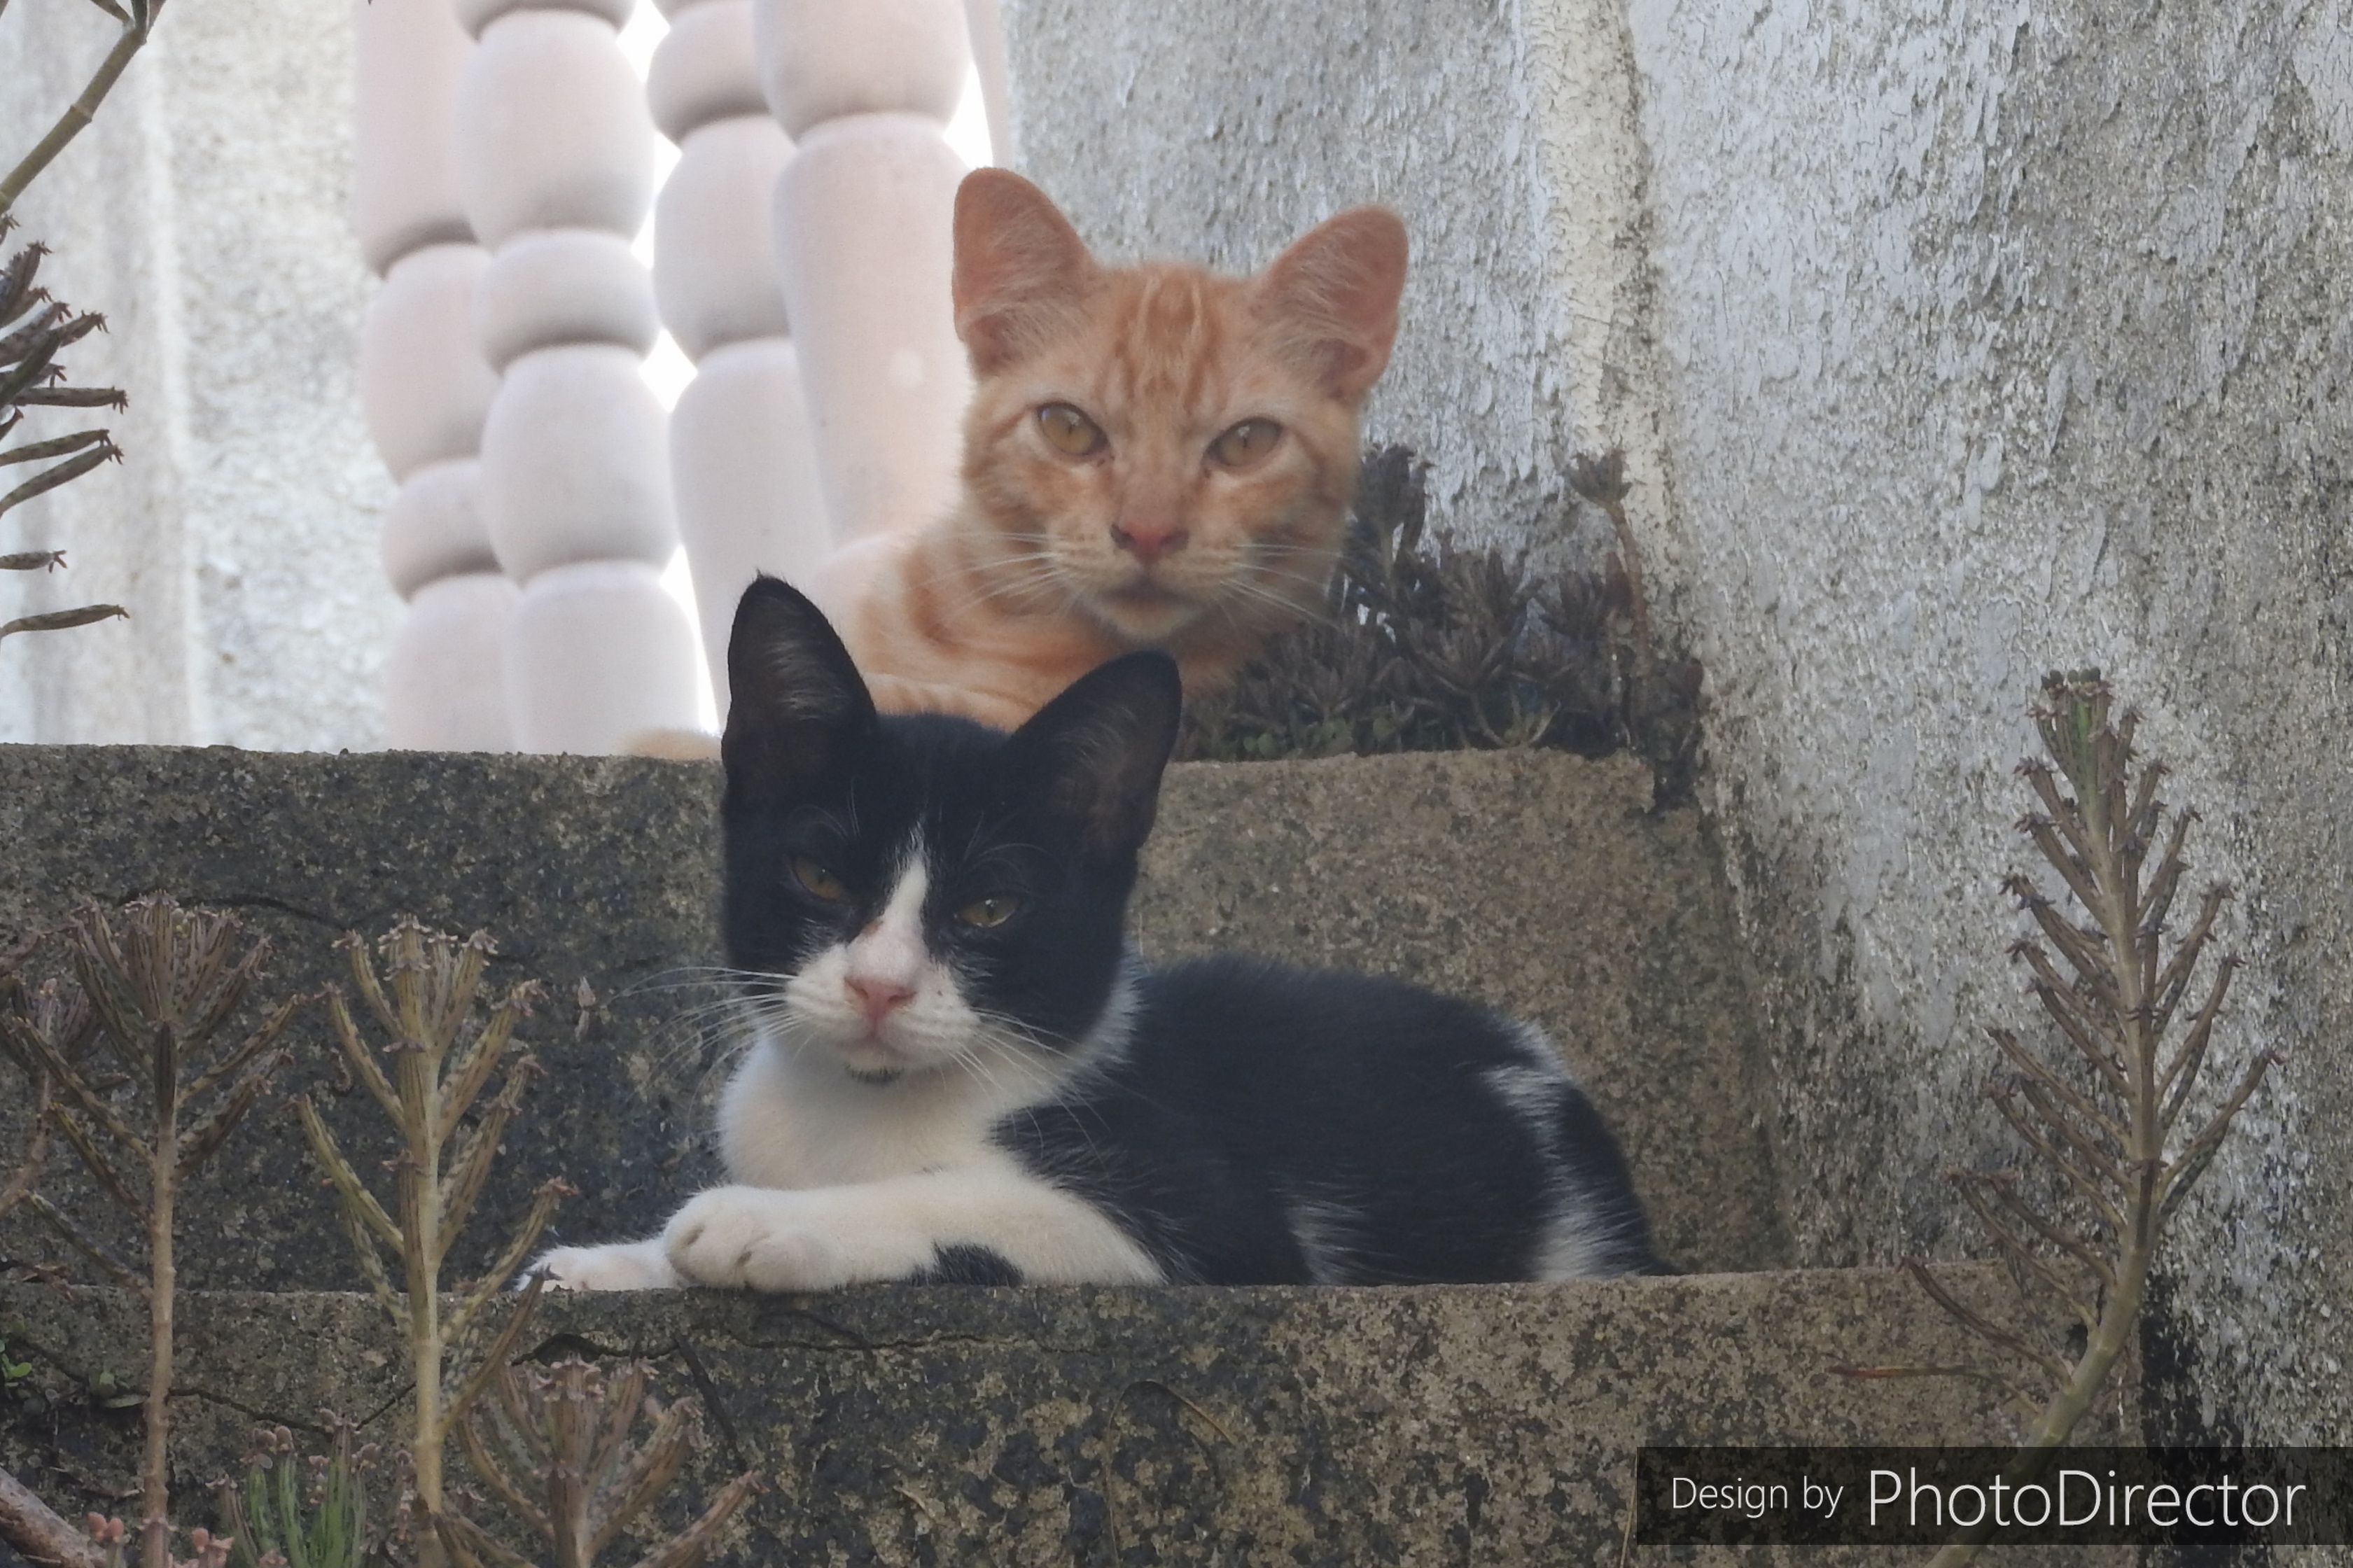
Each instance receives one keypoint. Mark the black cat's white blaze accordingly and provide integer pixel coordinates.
(959, 1072)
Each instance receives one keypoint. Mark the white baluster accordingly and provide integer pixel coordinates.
(984, 24)
(554, 158)
(862, 218)
(740, 463)
(424, 383)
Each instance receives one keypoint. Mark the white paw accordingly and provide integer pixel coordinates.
(754, 1239)
(624, 1266)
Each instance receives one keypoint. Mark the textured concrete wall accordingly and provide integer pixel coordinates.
(1948, 345)
(204, 214)
(1995, 344)
(1218, 136)
(908, 1428)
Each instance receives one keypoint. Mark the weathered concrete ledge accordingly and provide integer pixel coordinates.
(1535, 881)
(1447, 1425)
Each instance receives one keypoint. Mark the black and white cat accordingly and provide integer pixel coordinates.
(959, 1072)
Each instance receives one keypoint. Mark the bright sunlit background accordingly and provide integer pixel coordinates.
(667, 369)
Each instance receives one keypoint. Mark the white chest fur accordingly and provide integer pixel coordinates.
(836, 1180)
(790, 1123)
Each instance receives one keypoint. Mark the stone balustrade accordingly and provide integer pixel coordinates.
(741, 464)
(556, 169)
(862, 235)
(425, 385)
(802, 254)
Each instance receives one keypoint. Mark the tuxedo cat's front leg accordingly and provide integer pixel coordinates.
(622, 1266)
(817, 1238)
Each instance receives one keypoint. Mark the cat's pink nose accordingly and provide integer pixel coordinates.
(1149, 541)
(878, 998)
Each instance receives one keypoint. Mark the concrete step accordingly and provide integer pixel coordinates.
(1539, 882)
(1442, 1424)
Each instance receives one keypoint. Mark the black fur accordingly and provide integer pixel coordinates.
(967, 1265)
(1255, 1124)
(1249, 1089)
(1017, 818)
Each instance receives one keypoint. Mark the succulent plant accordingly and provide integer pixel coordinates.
(1427, 645)
(301, 1513)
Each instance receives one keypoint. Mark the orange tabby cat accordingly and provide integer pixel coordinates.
(1155, 457)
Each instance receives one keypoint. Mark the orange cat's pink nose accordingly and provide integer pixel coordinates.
(1149, 541)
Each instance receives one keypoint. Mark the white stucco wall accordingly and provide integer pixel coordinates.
(2002, 337)
(1219, 138)
(1950, 343)
(204, 214)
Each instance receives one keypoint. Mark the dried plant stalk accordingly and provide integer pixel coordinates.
(154, 995)
(56, 1013)
(36, 1531)
(29, 373)
(64, 620)
(554, 1446)
(137, 21)
(2105, 1116)
(444, 1053)
(28, 367)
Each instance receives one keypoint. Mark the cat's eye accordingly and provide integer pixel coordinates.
(1244, 444)
(1068, 431)
(992, 910)
(819, 882)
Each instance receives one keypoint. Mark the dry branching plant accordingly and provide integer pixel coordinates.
(554, 1446)
(443, 1052)
(56, 1013)
(2104, 1113)
(39, 1534)
(145, 1111)
(30, 373)
(1426, 644)
(137, 19)
(36, 1530)
(44, 327)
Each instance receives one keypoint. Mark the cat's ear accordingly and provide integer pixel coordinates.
(1333, 298)
(1094, 754)
(1021, 271)
(796, 701)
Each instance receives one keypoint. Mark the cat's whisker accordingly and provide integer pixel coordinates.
(720, 1010)
(1261, 576)
(1252, 594)
(1003, 586)
(1279, 573)
(971, 1063)
(985, 568)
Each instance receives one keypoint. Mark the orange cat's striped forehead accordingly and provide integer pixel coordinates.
(1171, 323)
(1164, 349)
